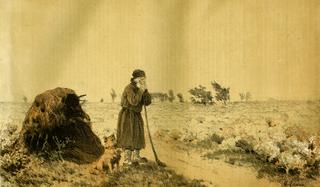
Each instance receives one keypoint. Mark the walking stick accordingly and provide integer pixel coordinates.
(152, 146)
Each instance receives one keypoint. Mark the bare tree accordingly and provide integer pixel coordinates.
(245, 96)
(159, 96)
(180, 97)
(242, 96)
(248, 96)
(171, 96)
(113, 94)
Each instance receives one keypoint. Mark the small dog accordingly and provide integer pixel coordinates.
(110, 157)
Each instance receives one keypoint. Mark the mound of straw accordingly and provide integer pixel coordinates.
(57, 122)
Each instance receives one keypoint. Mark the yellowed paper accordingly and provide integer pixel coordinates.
(267, 49)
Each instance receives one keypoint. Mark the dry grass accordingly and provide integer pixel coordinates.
(56, 121)
(211, 130)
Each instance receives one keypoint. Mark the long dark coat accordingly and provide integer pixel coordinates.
(130, 131)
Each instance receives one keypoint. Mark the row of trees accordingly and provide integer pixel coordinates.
(245, 96)
(170, 96)
(199, 95)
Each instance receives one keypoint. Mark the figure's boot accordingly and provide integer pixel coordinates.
(136, 155)
(127, 157)
(137, 158)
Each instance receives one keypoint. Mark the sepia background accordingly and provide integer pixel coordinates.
(267, 47)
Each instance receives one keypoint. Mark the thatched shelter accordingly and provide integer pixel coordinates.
(57, 122)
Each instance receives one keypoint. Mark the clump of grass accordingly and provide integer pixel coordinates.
(14, 162)
(205, 144)
(216, 138)
(211, 142)
(8, 136)
(11, 161)
(175, 134)
(265, 169)
(57, 153)
(245, 145)
(149, 175)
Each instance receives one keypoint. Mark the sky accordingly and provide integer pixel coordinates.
(267, 47)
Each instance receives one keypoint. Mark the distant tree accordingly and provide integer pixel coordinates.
(222, 94)
(113, 94)
(159, 96)
(25, 99)
(248, 96)
(201, 96)
(171, 96)
(180, 97)
(242, 96)
(164, 97)
(245, 96)
(101, 100)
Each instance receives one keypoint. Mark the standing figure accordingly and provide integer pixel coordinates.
(130, 130)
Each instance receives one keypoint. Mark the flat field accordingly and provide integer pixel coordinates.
(274, 143)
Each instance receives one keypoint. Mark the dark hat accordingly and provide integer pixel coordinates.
(138, 73)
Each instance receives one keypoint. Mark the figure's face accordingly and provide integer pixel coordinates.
(140, 80)
(143, 80)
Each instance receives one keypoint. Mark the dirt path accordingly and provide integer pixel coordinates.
(213, 172)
